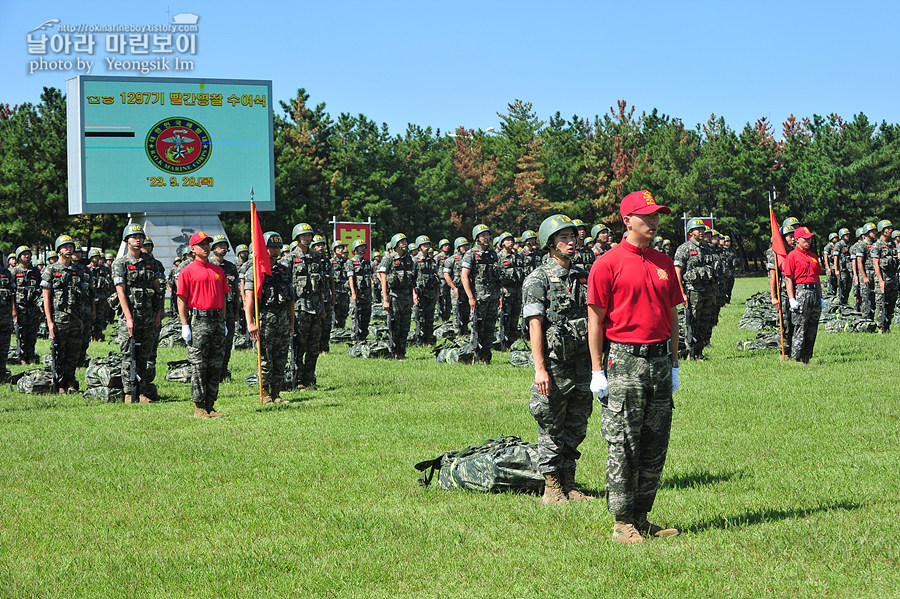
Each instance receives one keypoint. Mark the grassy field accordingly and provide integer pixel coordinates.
(782, 477)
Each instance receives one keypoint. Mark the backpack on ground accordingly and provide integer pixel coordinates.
(498, 464)
(34, 382)
(179, 371)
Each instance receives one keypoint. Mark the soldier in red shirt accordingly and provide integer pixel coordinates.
(633, 294)
(201, 298)
(802, 270)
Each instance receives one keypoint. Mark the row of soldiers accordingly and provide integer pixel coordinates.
(868, 264)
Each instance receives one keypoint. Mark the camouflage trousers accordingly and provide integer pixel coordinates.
(341, 308)
(562, 415)
(787, 323)
(69, 330)
(151, 357)
(85, 334)
(144, 335)
(636, 421)
(227, 346)
(805, 321)
(101, 321)
(361, 316)
(6, 331)
(425, 323)
(205, 353)
(868, 296)
(698, 328)
(275, 338)
(444, 303)
(29, 323)
(832, 279)
(728, 287)
(885, 303)
(325, 330)
(844, 285)
(461, 311)
(401, 313)
(307, 333)
(512, 310)
(486, 312)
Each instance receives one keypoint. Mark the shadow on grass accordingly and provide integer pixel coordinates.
(701, 479)
(770, 515)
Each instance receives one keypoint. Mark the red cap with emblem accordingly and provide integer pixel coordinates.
(198, 237)
(641, 202)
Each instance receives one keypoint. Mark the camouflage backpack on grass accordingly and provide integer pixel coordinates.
(252, 380)
(104, 372)
(170, 334)
(499, 464)
(106, 394)
(179, 371)
(340, 336)
(445, 331)
(454, 351)
(34, 382)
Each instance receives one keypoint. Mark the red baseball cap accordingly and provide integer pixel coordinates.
(803, 233)
(198, 238)
(641, 202)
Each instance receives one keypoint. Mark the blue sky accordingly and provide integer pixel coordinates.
(447, 64)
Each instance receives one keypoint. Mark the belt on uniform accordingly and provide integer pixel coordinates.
(206, 313)
(807, 286)
(644, 350)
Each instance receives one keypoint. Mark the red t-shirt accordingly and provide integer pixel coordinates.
(638, 289)
(203, 284)
(802, 266)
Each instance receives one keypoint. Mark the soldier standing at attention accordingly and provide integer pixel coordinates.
(309, 306)
(511, 277)
(341, 286)
(64, 288)
(232, 298)
(28, 303)
(276, 319)
(453, 277)
(481, 282)
(840, 263)
(555, 313)
(7, 315)
(426, 290)
(398, 278)
(585, 256)
(600, 233)
(101, 280)
(88, 303)
(318, 250)
(141, 301)
(826, 258)
(531, 253)
(632, 299)
(172, 283)
(445, 308)
(359, 276)
(865, 268)
(884, 262)
(802, 270)
(202, 288)
(693, 269)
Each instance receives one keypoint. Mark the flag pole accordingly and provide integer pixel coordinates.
(777, 282)
(253, 218)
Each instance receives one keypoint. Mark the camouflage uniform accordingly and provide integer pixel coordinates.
(511, 277)
(145, 301)
(696, 264)
(845, 274)
(559, 295)
(584, 257)
(232, 306)
(729, 260)
(361, 271)
(461, 310)
(886, 252)
(329, 291)
(858, 299)
(205, 353)
(484, 278)
(308, 281)
(787, 324)
(827, 252)
(160, 271)
(68, 286)
(427, 292)
(401, 278)
(341, 290)
(88, 312)
(274, 324)
(867, 293)
(7, 294)
(28, 308)
(445, 303)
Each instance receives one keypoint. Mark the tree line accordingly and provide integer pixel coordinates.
(826, 171)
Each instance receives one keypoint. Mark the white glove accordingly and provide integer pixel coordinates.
(599, 384)
(674, 379)
(795, 305)
(186, 333)
(823, 302)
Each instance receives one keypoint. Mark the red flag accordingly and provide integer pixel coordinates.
(261, 265)
(777, 240)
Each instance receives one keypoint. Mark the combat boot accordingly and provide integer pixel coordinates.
(553, 492)
(624, 531)
(276, 395)
(200, 412)
(649, 529)
(568, 487)
(266, 397)
(212, 413)
(128, 398)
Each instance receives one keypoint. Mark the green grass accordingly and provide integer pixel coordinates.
(782, 477)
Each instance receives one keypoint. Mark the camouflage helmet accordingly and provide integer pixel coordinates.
(895, 234)
(554, 224)
(598, 229)
(356, 244)
(376, 255)
(39, 262)
(669, 241)
(579, 223)
(273, 240)
(504, 236)
(110, 256)
(24, 248)
(787, 230)
(396, 239)
(868, 227)
(10, 257)
(495, 240)
(53, 254)
(60, 241)
(293, 245)
(147, 241)
(528, 234)
(832, 236)
(696, 223)
(316, 240)
(725, 237)
(884, 224)
(186, 250)
(299, 229)
(459, 242)
(588, 240)
(241, 248)
(336, 244)
(176, 260)
(220, 239)
(422, 239)
(285, 248)
(478, 230)
(790, 221)
(95, 253)
(443, 242)
(388, 246)
(132, 229)
(842, 232)
(657, 239)
(859, 232)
